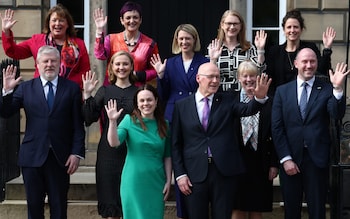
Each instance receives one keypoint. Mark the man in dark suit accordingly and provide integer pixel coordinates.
(206, 159)
(302, 136)
(53, 143)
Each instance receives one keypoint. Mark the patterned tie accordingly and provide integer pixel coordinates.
(206, 111)
(50, 95)
(303, 100)
(250, 127)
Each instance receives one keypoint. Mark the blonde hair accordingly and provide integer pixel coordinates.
(111, 76)
(241, 38)
(247, 66)
(188, 28)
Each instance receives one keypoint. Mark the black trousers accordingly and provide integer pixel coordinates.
(51, 179)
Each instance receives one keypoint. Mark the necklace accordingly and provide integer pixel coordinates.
(290, 62)
(131, 44)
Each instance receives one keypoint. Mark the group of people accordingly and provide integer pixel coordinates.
(232, 120)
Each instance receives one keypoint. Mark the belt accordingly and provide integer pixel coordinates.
(210, 160)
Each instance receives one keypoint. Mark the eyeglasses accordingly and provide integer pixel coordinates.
(211, 77)
(229, 24)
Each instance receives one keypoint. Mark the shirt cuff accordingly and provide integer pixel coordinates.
(5, 93)
(262, 101)
(181, 176)
(338, 94)
(285, 159)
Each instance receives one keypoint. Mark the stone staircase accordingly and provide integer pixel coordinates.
(82, 202)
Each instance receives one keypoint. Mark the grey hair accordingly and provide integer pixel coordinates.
(48, 50)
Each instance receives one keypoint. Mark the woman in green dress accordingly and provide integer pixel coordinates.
(146, 176)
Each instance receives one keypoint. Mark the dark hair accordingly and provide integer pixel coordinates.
(62, 12)
(295, 14)
(158, 112)
(130, 6)
(111, 76)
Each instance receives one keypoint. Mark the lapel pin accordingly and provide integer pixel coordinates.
(319, 88)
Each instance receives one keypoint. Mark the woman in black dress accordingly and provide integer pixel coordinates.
(280, 58)
(255, 185)
(109, 161)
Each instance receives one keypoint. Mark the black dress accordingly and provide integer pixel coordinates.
(110, 160)
(255, 190)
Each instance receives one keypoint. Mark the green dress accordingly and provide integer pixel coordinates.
(143, 176)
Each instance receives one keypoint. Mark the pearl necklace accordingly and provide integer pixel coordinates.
(131, 44)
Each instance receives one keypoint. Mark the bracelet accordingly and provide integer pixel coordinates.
(261, 51)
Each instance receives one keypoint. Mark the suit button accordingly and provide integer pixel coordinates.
(180, 92)
(190, 93)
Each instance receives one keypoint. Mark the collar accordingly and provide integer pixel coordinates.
(54, 81)
(310, 82)
(199, 97)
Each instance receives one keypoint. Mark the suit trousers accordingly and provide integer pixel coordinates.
(215, 194)
(312, 181)
(51, 179)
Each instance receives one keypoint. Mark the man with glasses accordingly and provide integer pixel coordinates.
(205, 152)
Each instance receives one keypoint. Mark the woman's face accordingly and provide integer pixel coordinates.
(146, 103)
(248, 81)
(58, 26)
(185, 41)
(292, 29)
(121, 67)
(231, 26)
(131, 21)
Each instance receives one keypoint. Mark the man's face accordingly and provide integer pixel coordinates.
(208, 78)
(48, 66)
(306, 63)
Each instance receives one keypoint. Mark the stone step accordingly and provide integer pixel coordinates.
(11, 209)
(17, 209)
(82, 187)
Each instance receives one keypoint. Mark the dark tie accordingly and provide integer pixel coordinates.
(303, 100)
(50, 95)
(205, 115)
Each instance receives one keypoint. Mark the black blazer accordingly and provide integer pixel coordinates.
(190, 141)
(266, 148)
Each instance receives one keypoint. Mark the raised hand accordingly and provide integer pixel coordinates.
(7, 21)
(100, 20)
(328, 36)
(262, 85)
(337, 77)
(9, 78)
(214, 50)
(260, 39)
(112, 111)
(157, 64)
(89, 83)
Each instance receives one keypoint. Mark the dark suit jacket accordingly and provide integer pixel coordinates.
(176, 83)
(62, 127)
(190, 141)
(290, 133)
